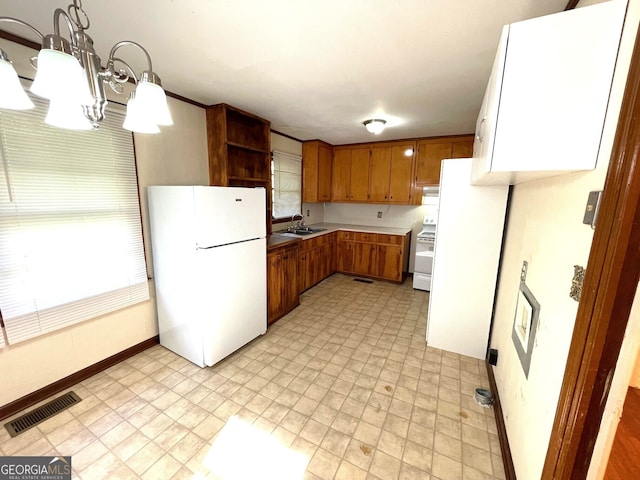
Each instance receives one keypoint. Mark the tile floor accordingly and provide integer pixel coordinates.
(341, 388)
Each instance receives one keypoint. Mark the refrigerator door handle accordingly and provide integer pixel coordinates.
(225, 244)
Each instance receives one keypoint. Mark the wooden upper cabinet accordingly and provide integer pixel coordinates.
(359, 174)
(350, 180)
(428, 162)
(379, 174)
(239, 148)
(400, 174)
(316, 171)
(462, 149)
(432, 151)
(341, 178)
(325, 161)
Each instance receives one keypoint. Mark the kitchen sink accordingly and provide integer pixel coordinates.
(305, 230)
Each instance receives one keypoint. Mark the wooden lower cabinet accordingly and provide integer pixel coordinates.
(373, 255)
(282, 281)
(317, 260)
(365, 259)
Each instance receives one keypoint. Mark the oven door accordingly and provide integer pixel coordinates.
(424, 262)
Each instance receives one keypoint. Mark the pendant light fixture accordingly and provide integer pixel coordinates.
(375, 125)
(70, 75)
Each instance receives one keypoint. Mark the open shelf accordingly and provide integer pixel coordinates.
(239, 147)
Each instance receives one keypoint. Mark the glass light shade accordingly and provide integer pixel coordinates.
(65, 115)
(137, 121)
(375, 126)
(61, 77)
(152, 102)
(12, 95)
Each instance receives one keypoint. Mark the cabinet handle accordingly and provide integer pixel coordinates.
(480, 136)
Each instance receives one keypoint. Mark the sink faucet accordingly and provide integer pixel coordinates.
(300, 223)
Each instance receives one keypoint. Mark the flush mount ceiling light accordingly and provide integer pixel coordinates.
(69, 74)
(374, 125)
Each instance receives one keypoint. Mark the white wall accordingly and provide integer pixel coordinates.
(178, 155)
(545, 229)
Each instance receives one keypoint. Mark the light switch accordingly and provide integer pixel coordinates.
(591, 210)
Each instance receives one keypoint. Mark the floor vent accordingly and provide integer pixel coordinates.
(363, 280)
(40, 414)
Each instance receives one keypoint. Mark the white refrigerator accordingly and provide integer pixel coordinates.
(466, 258)
(209, 262)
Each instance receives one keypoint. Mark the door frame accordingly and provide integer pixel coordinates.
(609, 288)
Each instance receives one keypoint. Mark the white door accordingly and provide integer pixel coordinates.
(232, 296)
(228, 214)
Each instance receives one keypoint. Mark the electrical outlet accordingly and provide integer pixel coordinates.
(307, 213)
(379, 214)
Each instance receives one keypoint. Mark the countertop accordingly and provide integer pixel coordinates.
(276, 240)
(334, 227)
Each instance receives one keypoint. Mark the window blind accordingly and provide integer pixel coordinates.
(286, 182)
(70, 233)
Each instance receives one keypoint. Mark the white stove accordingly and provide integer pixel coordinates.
(425, 246)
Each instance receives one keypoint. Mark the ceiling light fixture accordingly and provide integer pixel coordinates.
(374, 125)
(70, 76)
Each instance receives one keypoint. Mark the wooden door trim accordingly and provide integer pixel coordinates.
(609, 288)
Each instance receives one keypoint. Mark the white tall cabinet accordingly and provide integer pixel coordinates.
(547, 96)
(465, 261)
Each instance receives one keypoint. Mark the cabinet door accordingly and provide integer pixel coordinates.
(462, 150)
(324, 173)
(274, 285)
(290, 279)
(379, 176)
(312, 269)
(390, 262)
(345, 256)
(341, 178)
(428, 162)
(303, 268)
(359, 174)
(310, 170)
(486, 122)
(333, 253)
(365, 258)
(400, 174)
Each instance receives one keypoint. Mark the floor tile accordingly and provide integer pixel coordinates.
(345, 380)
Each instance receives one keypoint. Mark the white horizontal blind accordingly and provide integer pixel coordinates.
(286, 184)
(70, 234)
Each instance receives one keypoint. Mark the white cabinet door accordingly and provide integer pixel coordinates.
(554, 93)
(486, 123)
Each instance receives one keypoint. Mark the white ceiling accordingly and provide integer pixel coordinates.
(314, 68)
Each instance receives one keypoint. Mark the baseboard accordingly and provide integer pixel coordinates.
(56, 387)
(507, 461)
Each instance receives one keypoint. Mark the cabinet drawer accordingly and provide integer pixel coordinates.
(390, 239)
(365, 237)
(345, 235)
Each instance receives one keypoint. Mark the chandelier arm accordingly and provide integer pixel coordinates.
(129, 42)
(24, 24)
(56, 24)
(131, 73)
